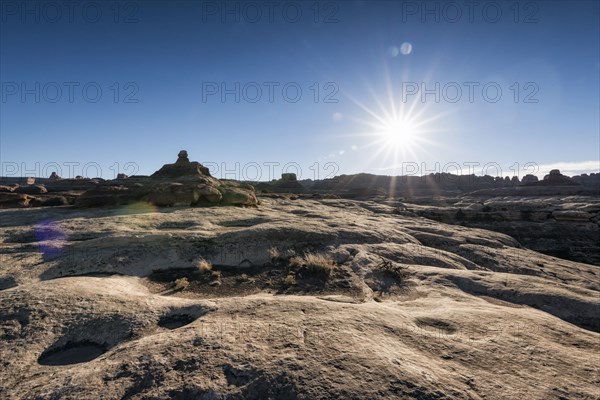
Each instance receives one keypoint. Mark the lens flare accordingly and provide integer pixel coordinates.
(51, 238)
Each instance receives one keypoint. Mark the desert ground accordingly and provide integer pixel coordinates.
(298, 297)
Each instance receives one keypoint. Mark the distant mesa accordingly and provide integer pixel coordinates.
(122, 176)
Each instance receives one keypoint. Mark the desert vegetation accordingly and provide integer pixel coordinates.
(181, 283)
(203, 266)
(313, 263)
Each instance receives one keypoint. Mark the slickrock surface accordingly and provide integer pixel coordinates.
(563, 226)
(407, 307)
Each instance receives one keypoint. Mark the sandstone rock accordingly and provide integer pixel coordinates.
(31, 189)
(54, 176)
(208, 194)
(10, 200)
(572, 215)
(412, 309)
(529, 179)
(181, 168)
(237, 196)
(122, 176)
(556, 178)
(183, 183)
(172, 195)
(104, 196)
(289, 177)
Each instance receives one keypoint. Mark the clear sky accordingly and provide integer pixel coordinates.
(383, 87)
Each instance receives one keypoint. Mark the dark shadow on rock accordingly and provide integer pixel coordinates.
(72, 353)
(7, 282)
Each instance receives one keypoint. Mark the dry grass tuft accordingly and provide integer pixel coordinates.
(289, 280)
(274, 253)
(314, 263)
(278, 255)
(203, 265)
(181, 283)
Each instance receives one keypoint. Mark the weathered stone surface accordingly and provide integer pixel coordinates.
(563, 226)
(412, 308)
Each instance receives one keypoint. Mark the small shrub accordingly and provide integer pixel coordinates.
(314, 263)
(289, 280)
(203, 265)
(181, 283)
(394, 271)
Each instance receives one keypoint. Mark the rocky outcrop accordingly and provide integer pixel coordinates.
(555, 178)
(54, 176)
(527, 179)
(184, 183)
(105, 196)
(181, 168)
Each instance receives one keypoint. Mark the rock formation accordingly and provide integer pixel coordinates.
(289, 177)
(556, 178)
(54, 176)
(183, 183)
(527, 179)
(182, 168)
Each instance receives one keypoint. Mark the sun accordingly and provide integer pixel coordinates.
(399, 133)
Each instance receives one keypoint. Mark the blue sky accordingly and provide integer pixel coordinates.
(161, 68)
